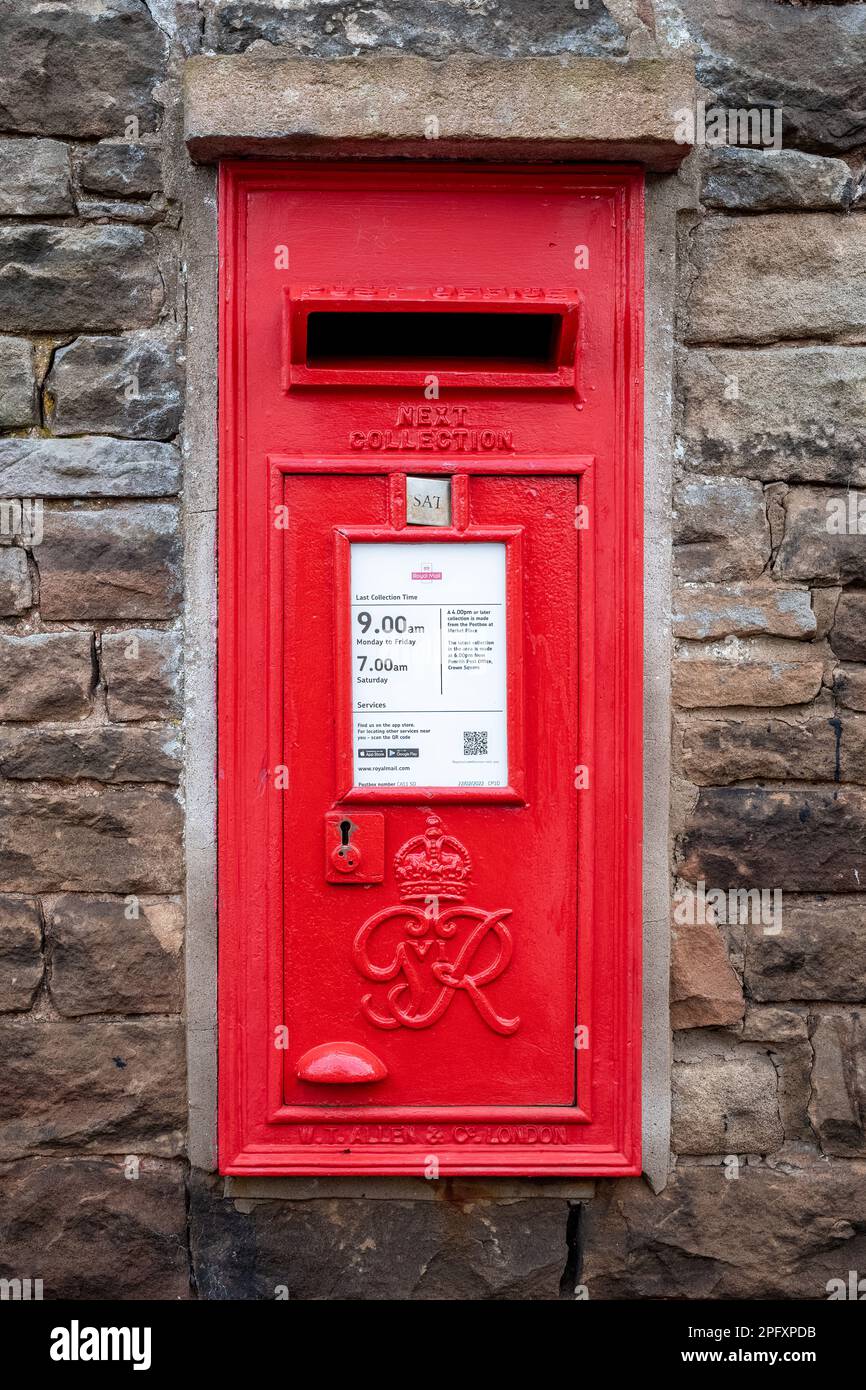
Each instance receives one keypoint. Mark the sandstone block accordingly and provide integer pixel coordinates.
(109, 1228)
(806, 61)
(817, 745)
(129, 386)
(46, 676)
(474, 1250)
(95, 1085)
(848, 633)
(116, 955)
(20, 952)
(16, 592)
(793, 413)
(838, 1103)
(68, 279)
(123, 168)
(80, 70)
(743, 610)
(705, 991)
(511, 32)
(818, 543)
(119, 562)
(849, 686)
(725, 1106)
(559, 105)
(142, 673)
(17, 384)
(87, 467)
(771, 1233)
(34, 179)
(116, 840)
(103, 754)
(775, 276)
(820, 953)
(805, 839)
(742, 671)
(721, 531)
(757, 180)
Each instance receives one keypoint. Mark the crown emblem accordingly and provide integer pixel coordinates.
(433, 865)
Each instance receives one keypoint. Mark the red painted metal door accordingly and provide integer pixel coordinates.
(375, 962)
(429, 670)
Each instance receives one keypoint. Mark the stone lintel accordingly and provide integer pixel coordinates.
(465, 107)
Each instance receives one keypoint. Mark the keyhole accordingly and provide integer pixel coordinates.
(346, 829)
(345, 855)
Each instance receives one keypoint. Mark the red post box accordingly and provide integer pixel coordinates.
(429, 670)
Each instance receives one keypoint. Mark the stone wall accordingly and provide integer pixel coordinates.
(768, 744)
(768, 1170)
(93, 1117)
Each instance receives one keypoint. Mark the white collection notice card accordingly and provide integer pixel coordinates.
(428, 664)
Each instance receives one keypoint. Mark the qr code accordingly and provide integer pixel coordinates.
(474, 743)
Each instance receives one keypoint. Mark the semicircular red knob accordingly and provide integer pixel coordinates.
(341, 1064)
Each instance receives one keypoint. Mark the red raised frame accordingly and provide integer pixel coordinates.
(258, 1134)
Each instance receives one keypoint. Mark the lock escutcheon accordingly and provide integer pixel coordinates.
(354, 847)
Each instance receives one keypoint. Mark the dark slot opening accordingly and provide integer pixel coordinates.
(505, 342)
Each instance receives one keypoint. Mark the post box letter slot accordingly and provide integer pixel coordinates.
(526, 342)
(386, 336)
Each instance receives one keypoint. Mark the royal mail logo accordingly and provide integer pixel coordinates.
(427, 572)
(422, 956)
